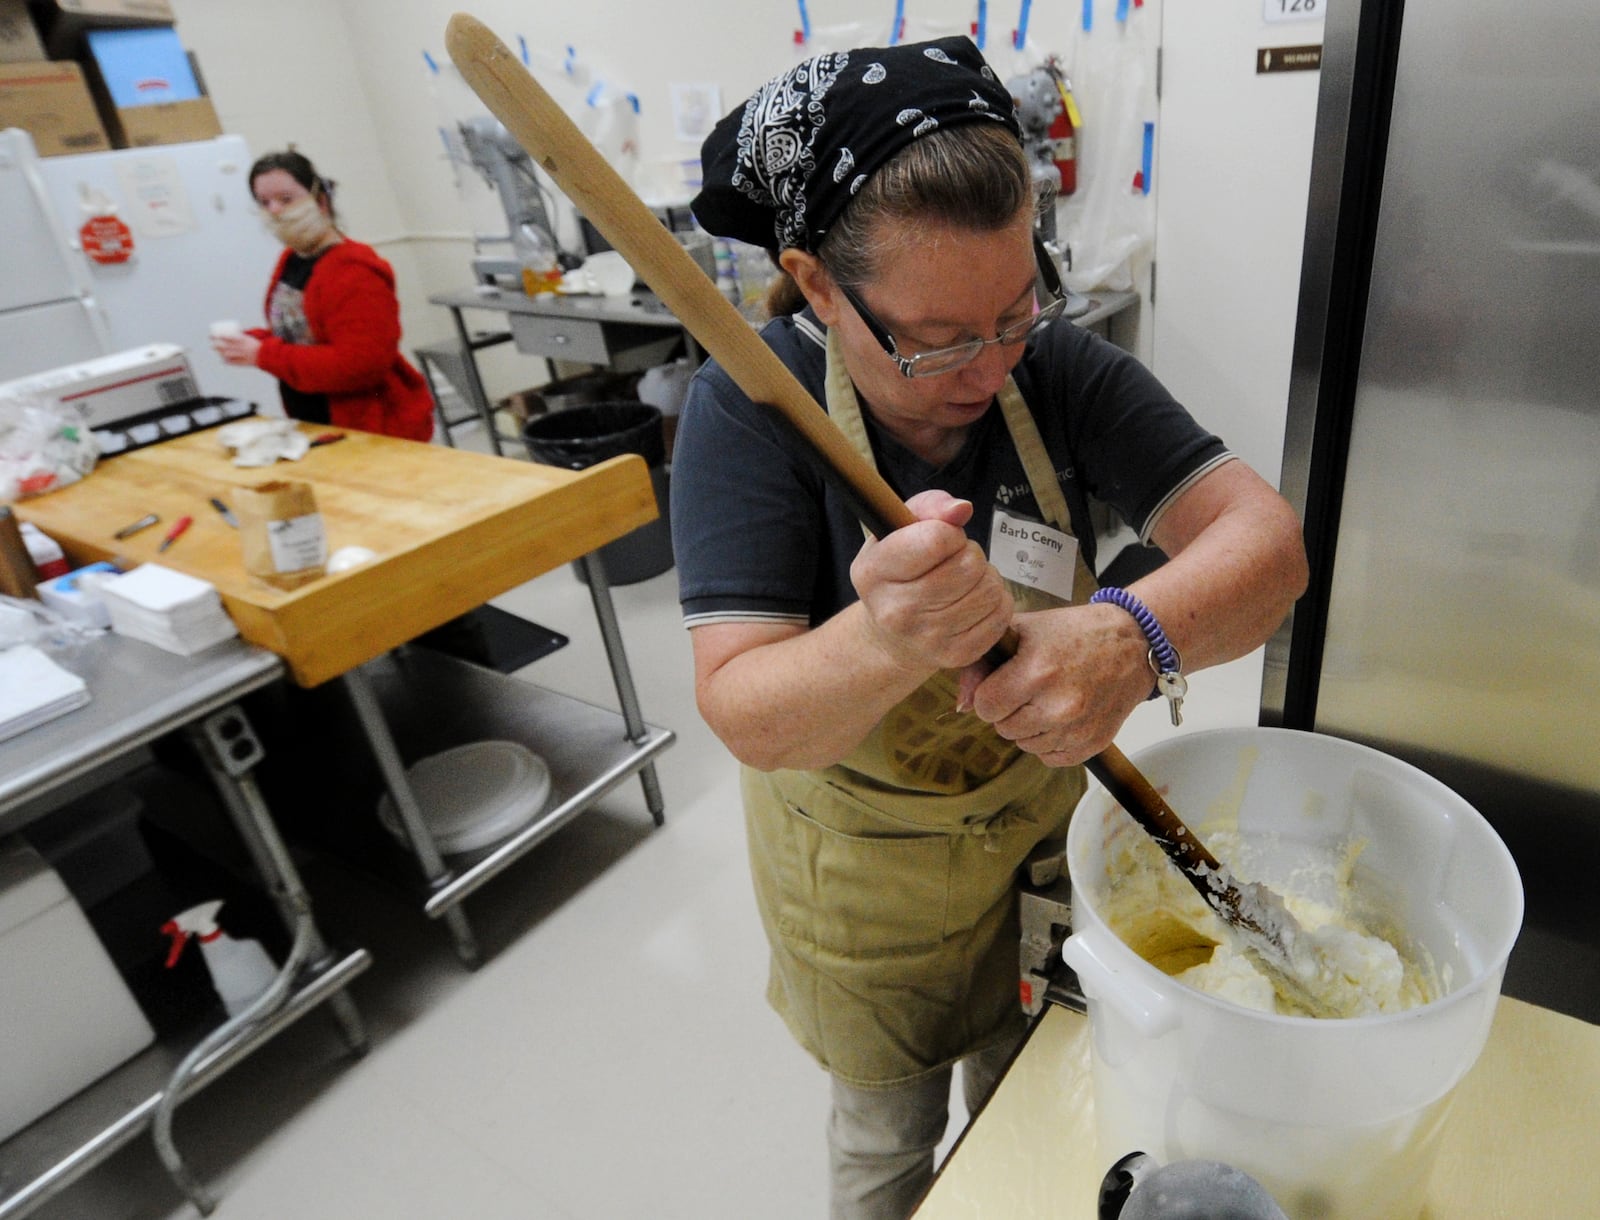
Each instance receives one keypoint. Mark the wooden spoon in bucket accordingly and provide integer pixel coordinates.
(1264, 928)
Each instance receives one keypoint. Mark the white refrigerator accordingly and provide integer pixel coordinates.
(199, 254)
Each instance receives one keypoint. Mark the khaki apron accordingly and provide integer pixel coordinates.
(887, 882)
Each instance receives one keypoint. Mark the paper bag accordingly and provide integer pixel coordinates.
(282, 533)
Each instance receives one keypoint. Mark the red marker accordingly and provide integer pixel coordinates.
(327, 438)
(175, 532)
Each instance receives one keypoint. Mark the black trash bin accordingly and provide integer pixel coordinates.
(580, 437)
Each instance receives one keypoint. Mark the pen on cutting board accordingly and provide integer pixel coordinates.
(327, 438)
(227, 513)
(132, 528)
(175, 532)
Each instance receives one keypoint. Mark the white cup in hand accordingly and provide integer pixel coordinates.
(227, 330)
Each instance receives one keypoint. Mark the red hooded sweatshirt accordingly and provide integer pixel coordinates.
(354, 316)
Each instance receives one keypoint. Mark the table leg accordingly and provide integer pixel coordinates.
(230, 750)
(469, 366)
(441, 420)
(370, 715)
(632, 718)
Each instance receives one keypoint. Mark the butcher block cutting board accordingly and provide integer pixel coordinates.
(451, 529)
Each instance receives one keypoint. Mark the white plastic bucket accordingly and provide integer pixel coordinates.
(1337, 1118)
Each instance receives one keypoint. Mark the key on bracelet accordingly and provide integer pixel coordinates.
(1174, 686)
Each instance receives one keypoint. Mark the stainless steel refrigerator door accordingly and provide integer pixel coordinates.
(1464, 615)
(1443, 437)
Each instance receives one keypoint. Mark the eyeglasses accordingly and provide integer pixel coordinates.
(948, 359)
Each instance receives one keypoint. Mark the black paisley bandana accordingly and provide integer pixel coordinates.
(780, 169)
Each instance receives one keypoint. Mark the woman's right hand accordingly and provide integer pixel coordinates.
(932, 599)
(237, 349)
(785, 695)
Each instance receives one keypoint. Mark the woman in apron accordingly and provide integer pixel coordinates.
(892, 787)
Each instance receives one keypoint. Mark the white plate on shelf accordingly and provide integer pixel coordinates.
(474, 795)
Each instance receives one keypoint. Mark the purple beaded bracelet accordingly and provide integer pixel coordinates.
(1163, 657)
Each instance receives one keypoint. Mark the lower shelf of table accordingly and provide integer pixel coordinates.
(432, 702)
(43, 1159)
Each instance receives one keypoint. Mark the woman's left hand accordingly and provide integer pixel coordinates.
(1077, 675)
(239, 349)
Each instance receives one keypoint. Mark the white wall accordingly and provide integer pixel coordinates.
(347, 82)
(1235, 167)
(290, 73)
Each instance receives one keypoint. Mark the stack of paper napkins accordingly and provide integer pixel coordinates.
(167, 609)
(34, 689)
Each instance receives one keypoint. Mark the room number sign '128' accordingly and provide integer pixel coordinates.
(1294, 10)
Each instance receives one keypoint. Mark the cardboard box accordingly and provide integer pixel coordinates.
(19, 41)
(142, 67)
(169, 123)
(112, 12)
(69, 1017)
(62, 23)
(108, 389)
(52, 103)
(148, 88)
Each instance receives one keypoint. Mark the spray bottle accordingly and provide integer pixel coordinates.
(240, 969)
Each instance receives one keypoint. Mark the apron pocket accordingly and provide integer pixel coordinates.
(852, 893)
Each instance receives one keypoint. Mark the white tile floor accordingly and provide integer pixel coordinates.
(614, 1056)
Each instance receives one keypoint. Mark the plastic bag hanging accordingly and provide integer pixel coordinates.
(44, 446)
(906, 26)
(1109, 224)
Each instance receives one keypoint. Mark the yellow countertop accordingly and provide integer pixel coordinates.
(451, 529)
(1523, 1139)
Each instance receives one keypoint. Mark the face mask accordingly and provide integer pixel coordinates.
(301, 226)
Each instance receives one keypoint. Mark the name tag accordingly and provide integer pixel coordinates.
(1033, 554)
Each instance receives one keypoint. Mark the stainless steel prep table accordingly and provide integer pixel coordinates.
(451, 529)
(625, 333)
(140, 693)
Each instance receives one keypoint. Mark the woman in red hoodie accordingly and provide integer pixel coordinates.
(333, 321)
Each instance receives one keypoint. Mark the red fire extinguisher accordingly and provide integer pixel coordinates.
(1063, 131)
